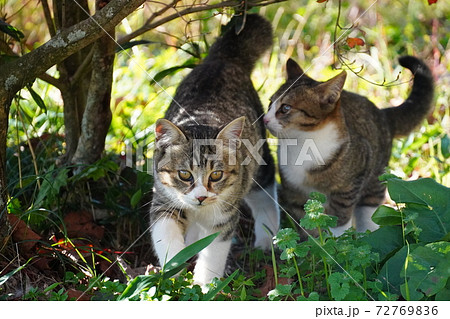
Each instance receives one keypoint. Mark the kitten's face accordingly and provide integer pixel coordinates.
(302, 104)
(193, 176)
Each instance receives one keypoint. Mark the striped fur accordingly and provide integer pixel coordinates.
(357, 146)
(216, 101)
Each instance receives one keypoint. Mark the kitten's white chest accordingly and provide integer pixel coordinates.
(306, 150)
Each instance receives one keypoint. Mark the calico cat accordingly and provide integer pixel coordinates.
(352, 141)
(204, 165)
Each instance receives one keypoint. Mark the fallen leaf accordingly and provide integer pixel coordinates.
(23, 235)
(352, 42)
(430, 2)
(77, 295)
(81, 224)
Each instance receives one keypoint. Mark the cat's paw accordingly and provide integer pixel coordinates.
(263, 242)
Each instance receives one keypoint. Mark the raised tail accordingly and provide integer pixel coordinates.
(405, 117)
(244, 48)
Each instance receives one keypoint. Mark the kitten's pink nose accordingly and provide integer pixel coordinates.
(201, 199)
(266, 120)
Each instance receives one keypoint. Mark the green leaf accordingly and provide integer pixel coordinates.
(431, 202)
(286, 238)
(51, 185)
(213, 292)
(445, 146)
(131, 44)
(390, 272)
(187, 253)
(428, 270)
(386, 216)
(385, 240)
(137, 285)
(52, 286)
(6, 277)
(37, 98)
(280, 291)
(11, 31)
(339, 286)
(318, 196)
(136, 198)
(171, 71)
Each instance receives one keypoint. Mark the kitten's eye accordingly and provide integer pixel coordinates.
(285, 108)
(216, 176)
(185, 176)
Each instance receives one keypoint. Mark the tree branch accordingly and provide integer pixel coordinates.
(62, 45)
(193, 9)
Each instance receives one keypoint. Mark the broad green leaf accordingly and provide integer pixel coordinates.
(385, 240)
(390, 272)
(386, 216)
(427, 198)
(428, 270)
(187, 253)
(444, 294)
(424, 191)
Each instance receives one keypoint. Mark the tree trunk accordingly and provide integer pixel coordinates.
(5, 102)
(73, 74)
(97, 114)
(21, 71)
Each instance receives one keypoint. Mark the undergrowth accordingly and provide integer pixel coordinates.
(405, 259)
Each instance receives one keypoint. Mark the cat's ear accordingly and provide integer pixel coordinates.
(294, 71)
(331, 91)
(167, 133)
(233, 130)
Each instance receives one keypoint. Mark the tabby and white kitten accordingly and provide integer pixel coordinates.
(204, 168)
(352, 141)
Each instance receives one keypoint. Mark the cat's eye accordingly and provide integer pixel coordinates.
(285, 108)
(185, 176)
(216, 176)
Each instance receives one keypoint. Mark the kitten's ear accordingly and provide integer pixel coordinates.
(331, 91)
(167, 133)
(294, 71)
(233, 130)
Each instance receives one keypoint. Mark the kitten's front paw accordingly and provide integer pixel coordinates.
(263, 242)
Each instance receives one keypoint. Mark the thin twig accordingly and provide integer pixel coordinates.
(189, 10)
(48, 18)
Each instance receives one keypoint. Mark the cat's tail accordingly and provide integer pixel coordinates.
(405, 117)
(245, 48)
